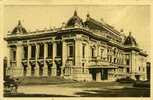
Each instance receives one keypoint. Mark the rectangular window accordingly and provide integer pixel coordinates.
(92, 52)
(143, 69)
(83, 51)
(127, 62)
(59, 50)
(102, 50)
(128, 70)
(110, 59)
(139, 68)
(41, 51)
(83, 68)
(71, 49)
(50, 51)
(115, 60)
(33, 51)
(25, 52)
(14, 55)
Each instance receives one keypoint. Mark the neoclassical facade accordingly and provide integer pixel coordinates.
(80, 50)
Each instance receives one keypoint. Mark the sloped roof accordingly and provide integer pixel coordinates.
(94, 24)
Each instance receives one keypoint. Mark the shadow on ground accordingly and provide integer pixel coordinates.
(124, 92)
(33, 95)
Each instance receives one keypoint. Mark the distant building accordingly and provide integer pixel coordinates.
(80, 50)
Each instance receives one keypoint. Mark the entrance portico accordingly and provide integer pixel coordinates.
(101, 73)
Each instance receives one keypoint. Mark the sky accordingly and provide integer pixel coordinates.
(135, 19)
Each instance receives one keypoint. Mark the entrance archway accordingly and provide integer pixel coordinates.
(104, 74)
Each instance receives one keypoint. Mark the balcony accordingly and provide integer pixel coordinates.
(12, 61)
(99, 61)
(24, 62)
(40, 61)
(94, 59)
(49, 61)
(58, 60)
(70, 58)
(32, 61)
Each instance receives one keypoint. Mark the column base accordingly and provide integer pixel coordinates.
(36, 71)
(54, 71)
(45, 71)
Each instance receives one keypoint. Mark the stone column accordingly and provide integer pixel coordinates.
(29, 66)
(98, 75)
(64, 56)
(87, 55)
(19, 54)
(11, 68)
(37, 65)
(54, 55)
(77, 53)
(77, 68)
(98, 51)
(133, 64)
(8, 64)
(45, 68)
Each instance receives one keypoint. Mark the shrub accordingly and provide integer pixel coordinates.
(125, 80)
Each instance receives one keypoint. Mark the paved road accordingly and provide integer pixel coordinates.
(49, 89)
(86, 90)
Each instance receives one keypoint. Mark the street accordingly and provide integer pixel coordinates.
(83, 89)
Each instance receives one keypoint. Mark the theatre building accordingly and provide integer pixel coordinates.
(87, 50)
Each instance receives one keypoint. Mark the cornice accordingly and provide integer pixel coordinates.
(78, 30)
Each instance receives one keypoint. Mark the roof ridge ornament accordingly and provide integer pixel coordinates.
(19, 28)
(121, 30)
(88, 15)
(19, 23)
(75, 13)
(130, 33)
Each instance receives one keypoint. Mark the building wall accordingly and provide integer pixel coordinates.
(77, 67)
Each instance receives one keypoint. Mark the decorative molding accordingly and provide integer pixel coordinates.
(32, 62)
(25, 63)
(58, 60)
(49, 62)
(40, 62)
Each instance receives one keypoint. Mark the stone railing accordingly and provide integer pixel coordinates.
(58, 60)
(24, 62)
(49, 61)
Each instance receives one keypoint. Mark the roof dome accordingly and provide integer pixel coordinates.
(19, 28)
(75, 19)
(130, 40)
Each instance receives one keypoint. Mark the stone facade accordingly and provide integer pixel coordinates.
(78, 50)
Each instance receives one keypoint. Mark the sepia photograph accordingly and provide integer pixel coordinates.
(77, 51)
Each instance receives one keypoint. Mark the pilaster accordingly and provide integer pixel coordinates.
(54, 55)
(64, 56)
(29, 66)
(98, 76)
(77, 53)
(45, 68)
(37, 65)
(19, 54)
